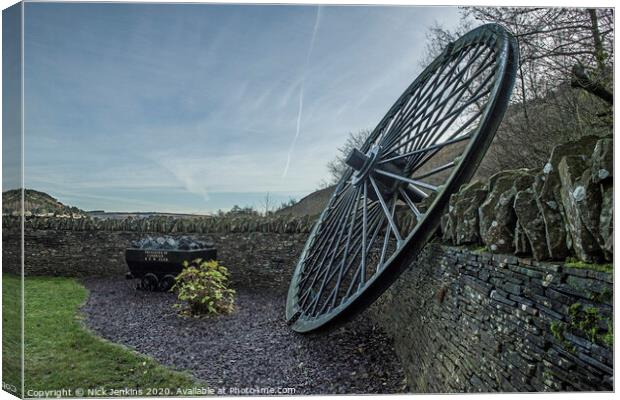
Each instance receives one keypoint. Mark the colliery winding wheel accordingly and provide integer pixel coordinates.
(389, 202)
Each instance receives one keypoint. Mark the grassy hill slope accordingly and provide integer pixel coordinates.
(36, 203)
(312, 204)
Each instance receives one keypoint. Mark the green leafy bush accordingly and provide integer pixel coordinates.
(203, 286)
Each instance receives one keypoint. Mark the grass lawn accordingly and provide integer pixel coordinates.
(11, 333)
(61, 354)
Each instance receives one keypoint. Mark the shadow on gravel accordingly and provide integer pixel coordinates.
(252, 347)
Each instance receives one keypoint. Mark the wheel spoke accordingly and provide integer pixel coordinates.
(329, 276)
(326, 236)
(346, 249)
(385, 209)
(385, 242)
(359, 272)
(364, 231)
(373, 213)
(329, 247)
(333, 296)
(435, 170)
(455, 97)
(426, 150)
(423, 111)
(452, 114)
(439, 79)
(436, 147)
(410, 203)
(408, 180)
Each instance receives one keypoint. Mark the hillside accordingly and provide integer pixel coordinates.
(312, 204)
(36, 203)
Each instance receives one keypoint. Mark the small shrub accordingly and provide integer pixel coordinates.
(203, 286)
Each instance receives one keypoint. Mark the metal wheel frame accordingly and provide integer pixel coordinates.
(479, 141)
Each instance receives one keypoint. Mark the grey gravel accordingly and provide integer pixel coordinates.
(253, 347)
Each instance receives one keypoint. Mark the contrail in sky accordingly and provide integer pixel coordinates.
(301, 90)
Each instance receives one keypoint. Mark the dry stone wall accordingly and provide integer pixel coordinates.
(565, 209)
(465, 321)
(170, 224)
(255, 259)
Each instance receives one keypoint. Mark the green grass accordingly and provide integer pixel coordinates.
(62, 354)
(575, 263)
(11, 333)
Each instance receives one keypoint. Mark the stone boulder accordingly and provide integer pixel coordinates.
(581, 201)
(603, 161)
(602, 174)
(548, 197)
(447, 233)
(531, 223)
(521, 242)
(464, 213)
(497, 216)
(606, 222)
(448, 222)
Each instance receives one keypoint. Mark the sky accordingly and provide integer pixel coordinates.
(195, 107)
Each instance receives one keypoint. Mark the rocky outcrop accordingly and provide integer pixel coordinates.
(497, 216)
(566, 208)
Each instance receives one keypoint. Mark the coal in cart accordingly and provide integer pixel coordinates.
(157, 261)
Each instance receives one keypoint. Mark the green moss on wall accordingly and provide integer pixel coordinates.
(575, 263)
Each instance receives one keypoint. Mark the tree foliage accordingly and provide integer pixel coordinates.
(237, 211)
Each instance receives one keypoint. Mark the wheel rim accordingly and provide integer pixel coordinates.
(389, 202)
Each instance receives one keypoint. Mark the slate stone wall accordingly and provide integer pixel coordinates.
(464, 321)
(256, 259)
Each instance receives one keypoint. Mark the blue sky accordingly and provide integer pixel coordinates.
(192, 108)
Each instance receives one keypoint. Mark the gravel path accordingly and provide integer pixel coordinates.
(252, 347)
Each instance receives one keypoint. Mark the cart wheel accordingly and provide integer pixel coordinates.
(166, 283)
(150, 282)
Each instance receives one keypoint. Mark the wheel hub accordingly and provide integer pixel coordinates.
(362, 163)
(364, 166)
